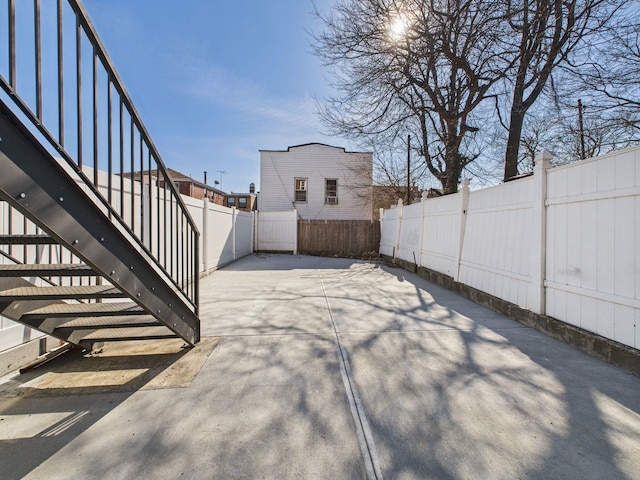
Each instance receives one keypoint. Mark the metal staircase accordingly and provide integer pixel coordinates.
(96, 244)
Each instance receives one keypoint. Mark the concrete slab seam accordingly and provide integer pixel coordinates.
(363, 431)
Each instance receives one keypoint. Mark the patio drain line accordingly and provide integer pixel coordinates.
(363, 431)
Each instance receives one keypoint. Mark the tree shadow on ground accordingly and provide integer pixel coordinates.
(462, 392)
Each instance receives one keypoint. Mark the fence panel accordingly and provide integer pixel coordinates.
(277, 231)
(440, 232)
(219, 238)
(389, 231)
(244, 234)
(410, 233)
(593, 245)
(338, 236)
(496, 251)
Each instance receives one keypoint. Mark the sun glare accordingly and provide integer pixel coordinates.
(398, 28)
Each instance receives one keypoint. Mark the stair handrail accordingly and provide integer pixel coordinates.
(179, 265)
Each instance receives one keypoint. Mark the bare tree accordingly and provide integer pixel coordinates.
(422, 66)
(543, 35)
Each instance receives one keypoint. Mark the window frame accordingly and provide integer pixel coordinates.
(333, 193)
(304, 188)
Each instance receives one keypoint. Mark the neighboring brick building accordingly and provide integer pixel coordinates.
(191, 187)
(243, 201)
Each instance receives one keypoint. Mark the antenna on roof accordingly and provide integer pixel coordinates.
(221, 172)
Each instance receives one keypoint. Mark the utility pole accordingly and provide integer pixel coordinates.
(408, 170)
(583, 155)
(205, 177)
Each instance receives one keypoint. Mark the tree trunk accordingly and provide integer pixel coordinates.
(513, 143)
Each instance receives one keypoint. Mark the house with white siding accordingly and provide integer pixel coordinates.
(320, 181)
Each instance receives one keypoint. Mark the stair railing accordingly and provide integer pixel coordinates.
(93, 126)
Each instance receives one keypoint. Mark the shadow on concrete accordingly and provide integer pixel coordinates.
(462, 392)
(45, 409)
(450, 388)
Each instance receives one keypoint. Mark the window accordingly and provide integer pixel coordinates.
(301, 190)
(231, 202)
(331, 191)
(242, 202)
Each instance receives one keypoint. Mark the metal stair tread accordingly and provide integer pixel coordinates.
(45, 270)
(84, 310)
(27, 239)
(84, 323)
(121, 334)
(57, 292)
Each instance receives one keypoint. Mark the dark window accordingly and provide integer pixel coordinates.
(231, 202)
(242, 202)
(331, 191)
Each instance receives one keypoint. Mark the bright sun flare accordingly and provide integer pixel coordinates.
(398, 28)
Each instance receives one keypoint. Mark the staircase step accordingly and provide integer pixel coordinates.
(46, 270)
(120, 334)
(27, 240)
(60, 293)
(66, 310)
(94, 323)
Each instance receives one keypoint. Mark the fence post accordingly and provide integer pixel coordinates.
(295, 231)
(398, 229)
(234, 216)
(423, 201)
(464, 205)
(539, 239)
(256, 231)
(203, 235)
(253, 229)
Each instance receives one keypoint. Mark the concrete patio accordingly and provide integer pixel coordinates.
(327, 368)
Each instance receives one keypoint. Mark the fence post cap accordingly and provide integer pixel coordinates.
(543, 159)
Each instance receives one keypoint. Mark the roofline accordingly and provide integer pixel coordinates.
(184, 177)
(309, 144)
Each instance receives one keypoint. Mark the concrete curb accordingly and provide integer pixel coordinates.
(610, 351)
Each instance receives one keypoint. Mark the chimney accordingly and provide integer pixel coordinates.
(252, 188)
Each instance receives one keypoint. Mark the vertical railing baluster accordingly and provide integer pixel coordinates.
(12, 44)
(38, 47)
(95, 118)
(133, 169)
(60, 75)
(109, 146)
(196, 293)
(150, 212)
(141, 190)
(164, 218)
(180, 242)
(182, 238)
(157, 210)
(121, 159)
(171, 232)
(10, 226)
(79, 87)
(24, 246)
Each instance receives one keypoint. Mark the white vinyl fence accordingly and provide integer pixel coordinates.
(277, 231)
(564, 242)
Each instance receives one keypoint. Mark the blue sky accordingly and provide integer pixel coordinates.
(215, 81)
